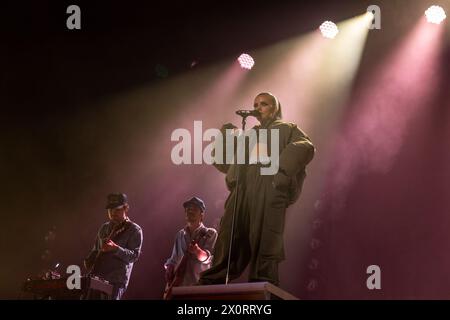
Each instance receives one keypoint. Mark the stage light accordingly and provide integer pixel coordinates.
(246, 61)
(329, 29)
(435, 14)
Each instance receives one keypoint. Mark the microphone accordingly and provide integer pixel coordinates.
(246, 113)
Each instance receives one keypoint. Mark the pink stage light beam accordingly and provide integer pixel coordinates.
(391, 99)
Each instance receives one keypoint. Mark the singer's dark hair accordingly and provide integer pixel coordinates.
(276, 103)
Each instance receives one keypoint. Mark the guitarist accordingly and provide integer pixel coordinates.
(195, 243)
(117, 246)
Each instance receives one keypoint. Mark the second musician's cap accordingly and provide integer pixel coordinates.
(197, 201)
(116, 200)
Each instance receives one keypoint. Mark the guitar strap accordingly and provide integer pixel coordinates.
(201, 234)
(120, 229)
(112, 235)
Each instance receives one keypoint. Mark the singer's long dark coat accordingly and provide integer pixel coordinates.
(261, 205)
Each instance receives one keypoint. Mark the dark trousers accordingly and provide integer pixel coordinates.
(117, 293)
(258, 232)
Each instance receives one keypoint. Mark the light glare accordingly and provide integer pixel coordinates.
(329, 29)
(246, 61)
(435, 14)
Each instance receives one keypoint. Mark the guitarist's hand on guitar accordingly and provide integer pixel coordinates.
(109, 246)
(197, 252)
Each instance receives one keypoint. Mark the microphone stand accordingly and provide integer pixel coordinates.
(244, 119)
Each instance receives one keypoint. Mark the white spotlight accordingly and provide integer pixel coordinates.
(329, 29)
(246, 61)
(435, 14)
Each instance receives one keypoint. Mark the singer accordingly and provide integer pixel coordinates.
(261, 201)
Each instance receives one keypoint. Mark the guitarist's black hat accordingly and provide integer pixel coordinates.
(197, 201)
(116, 200)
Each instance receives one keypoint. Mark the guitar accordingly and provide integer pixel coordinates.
(115, 232)
(180, 270)
(178, 277)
